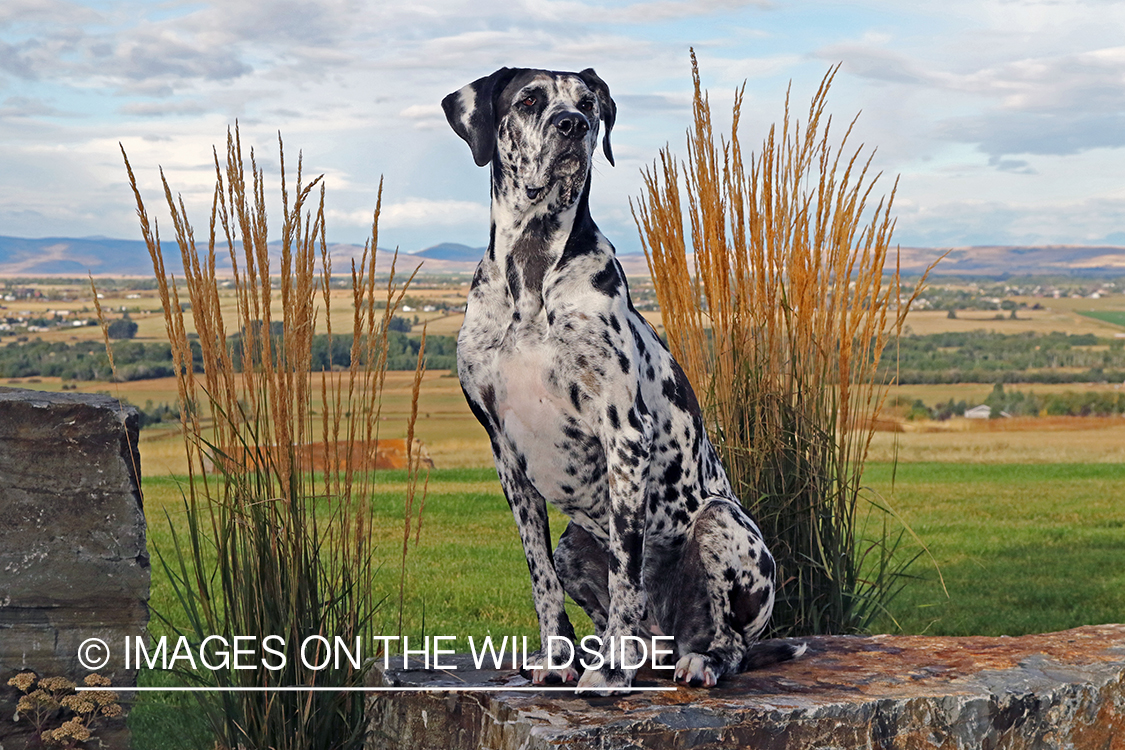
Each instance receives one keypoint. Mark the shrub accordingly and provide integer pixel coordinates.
(781, 326)
(271, 549)
(122, 328)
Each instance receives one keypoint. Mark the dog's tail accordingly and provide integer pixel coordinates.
(768, 653)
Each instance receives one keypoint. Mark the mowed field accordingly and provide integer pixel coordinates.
(144, 308)
(455, 440)
(445, 425)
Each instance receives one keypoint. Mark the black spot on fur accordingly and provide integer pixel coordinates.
(514, 285)
(674, 473)
(608, 280)
(614, 420)
(623, 361)
(530, 253)
(575, 396)
(583, 238)
(767, 567)
(744, 605)
(479, 277)
(488, 400)
(634, 420)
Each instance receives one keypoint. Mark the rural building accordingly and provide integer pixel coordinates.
(984, 411)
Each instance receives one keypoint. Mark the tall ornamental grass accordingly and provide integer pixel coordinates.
(780, 325)
(270, 548)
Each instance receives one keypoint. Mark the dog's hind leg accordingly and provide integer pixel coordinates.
(725, 593)
(582, 564)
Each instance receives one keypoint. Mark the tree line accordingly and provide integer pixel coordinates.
(986, 357)
(136, 360)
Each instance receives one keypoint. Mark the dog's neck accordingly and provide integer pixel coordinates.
(528, 238)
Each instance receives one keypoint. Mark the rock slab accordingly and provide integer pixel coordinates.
(73, 560)
(1057, 690)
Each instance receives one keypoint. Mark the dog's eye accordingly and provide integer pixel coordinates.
(585, 105)
(528, 101)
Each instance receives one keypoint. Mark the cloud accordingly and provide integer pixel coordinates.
(417, 212)
(1058, 133)
(992, 222)
(1018, 77)
(22, 106)
(44, 11)
(164, 108)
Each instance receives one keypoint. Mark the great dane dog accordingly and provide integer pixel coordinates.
(587, 409)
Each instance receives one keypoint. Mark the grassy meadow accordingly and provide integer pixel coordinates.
(1021, 547)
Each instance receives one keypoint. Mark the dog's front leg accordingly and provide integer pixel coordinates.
(530, 511)
(627, 446)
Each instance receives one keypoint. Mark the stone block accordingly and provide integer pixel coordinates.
(73, 559)
(1057, 690)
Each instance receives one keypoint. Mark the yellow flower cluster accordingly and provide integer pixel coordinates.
(70, 730)
(79, 704)
(56, 684)
(23, 681)
(40, 701)
(37, 700)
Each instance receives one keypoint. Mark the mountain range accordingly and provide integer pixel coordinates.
(70, 256)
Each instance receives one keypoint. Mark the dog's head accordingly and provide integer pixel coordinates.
(538, 128)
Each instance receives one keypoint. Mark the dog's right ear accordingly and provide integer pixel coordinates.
(471, 111)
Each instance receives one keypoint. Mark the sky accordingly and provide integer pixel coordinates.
(1004, 120)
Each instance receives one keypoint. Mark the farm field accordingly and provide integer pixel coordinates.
(1047, 320)
(445, 425)
(1021, 548)
(144, 308)
(1103, 317)
(455, 440)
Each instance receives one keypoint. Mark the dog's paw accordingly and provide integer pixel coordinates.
(603, 681)
(535, 669)
(546, 676)
(695, 670)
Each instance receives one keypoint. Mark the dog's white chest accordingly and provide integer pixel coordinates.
(534, 415)
(528, 409)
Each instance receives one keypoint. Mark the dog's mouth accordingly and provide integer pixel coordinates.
(566, 169)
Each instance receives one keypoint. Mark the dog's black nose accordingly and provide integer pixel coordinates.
(571, 124)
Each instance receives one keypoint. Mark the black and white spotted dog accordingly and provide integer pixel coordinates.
(586, 408)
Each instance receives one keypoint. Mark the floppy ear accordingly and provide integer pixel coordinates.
(605, 104)
(471, 111)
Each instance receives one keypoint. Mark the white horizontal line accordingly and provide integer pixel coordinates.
(410, 689)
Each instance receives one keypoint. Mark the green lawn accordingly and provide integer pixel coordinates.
(1114, 317)
(1022, 548)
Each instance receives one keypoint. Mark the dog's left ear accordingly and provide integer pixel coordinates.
(605, 104)
(471, 112)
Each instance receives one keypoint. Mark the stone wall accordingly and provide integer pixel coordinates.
(1043, 692)
(73, 560)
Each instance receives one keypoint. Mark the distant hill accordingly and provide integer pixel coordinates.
(452, 251)
(1005, 261)
(69, 256)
